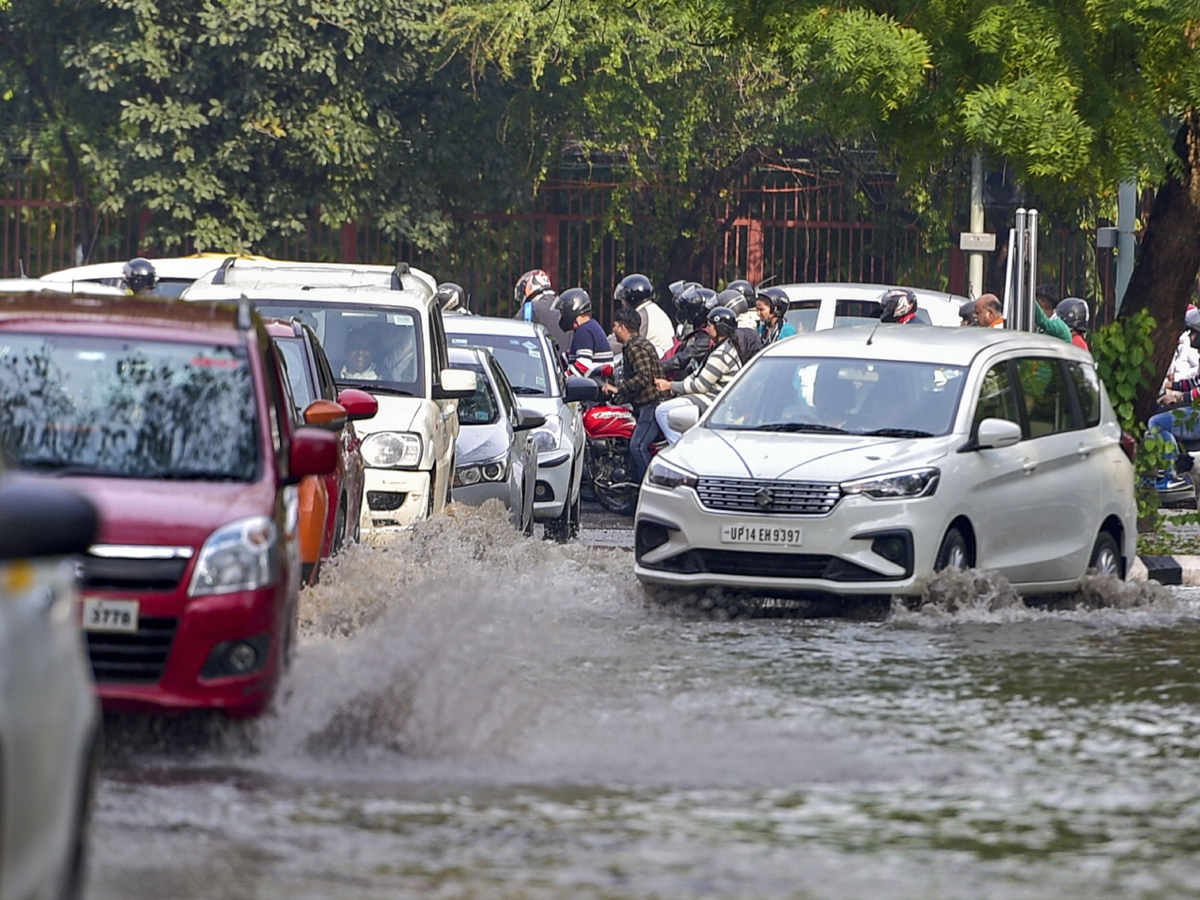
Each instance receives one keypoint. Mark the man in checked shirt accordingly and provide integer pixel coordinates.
(640, 366)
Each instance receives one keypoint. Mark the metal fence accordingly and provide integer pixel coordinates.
(785, 229)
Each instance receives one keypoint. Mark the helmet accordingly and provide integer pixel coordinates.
(732, 298)
(966, 312)
(138, 275)
(634, 290)
(690, 303)
(745, 288)
(897, 303)
(777, 298)
(571, 304)
(724, 320)
(529, 285)
(1192, 318)
(451, 297)
(1074, 312)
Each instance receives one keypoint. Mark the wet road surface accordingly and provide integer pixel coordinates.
(473, 714)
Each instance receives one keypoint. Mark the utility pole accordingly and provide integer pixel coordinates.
(975, 242)
(1126, 207)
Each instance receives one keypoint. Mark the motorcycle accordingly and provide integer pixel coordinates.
(607, 464)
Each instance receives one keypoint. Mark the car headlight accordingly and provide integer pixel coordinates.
(664, 475)
(240, 556)
(391, 450)
(897, 486)
(496, 470)
(547, 437)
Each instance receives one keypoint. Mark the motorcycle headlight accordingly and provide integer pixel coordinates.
(546, 437)
(391, 450)
(240, 556)
(664, 475)
(897, 486)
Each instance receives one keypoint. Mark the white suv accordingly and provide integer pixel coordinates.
(386, 340)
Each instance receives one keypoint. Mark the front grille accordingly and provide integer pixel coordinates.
(118, 574)
(769, 565)
(385, 501)
(753, 495)
(140, 656)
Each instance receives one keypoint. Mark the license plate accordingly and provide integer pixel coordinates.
(110, 615)
(762, 535)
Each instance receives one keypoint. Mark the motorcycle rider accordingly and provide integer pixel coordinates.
(1074, 313)
(589, 350)
(898, 305)
(452, 298)
(640, 368)
(772, 305)
(535, 303)
(746, 336)
(720, 365)
(1045, 321)
(637, 293)
(692, 303)
(1187, 428)
(743, 303)
(138, 276)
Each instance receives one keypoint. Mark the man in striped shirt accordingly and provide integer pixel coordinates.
(718, 368)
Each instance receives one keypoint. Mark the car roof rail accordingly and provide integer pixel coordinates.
(243, 313)
(402, 268)
(219, 278)
(297, 326)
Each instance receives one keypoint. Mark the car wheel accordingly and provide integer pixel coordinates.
(565, 525)
(576, 517)
(954, 552)
(1106, 556)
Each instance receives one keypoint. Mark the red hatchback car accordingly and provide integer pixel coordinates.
(175, 420)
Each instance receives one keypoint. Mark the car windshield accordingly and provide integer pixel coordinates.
(520, 357)
(292, 352)
(481, 408)
(78, 404)
(376, 348)
(850, 396)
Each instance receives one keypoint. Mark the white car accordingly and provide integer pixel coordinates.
(43, 286)
(827, 304)
(408, 447)
(531, 361)
(49, 714)
(857, 460)
(175, 273)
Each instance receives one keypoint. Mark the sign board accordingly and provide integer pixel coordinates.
(976, 243)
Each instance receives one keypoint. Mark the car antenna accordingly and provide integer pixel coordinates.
(21, 268)
(871, 336)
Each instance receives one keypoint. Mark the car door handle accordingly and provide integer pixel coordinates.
(1029, 468)
(1084, 451)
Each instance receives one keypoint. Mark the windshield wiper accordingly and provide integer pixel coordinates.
(527, 391)
(799, 426)
(898, 432)
(374, 387)
(62, 468)
(196, 475)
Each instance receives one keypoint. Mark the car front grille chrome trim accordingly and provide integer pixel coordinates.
(139, 551)
(769, 497)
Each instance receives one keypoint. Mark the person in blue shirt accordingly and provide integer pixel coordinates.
(590, 350)
(772, 304)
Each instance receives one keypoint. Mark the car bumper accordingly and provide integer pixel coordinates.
(184, 649)
(679, 542)
(395, 498)
(477, 494)
(554, 485)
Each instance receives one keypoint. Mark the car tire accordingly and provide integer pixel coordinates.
(565, 526)
(1106, 556)
(954, 553)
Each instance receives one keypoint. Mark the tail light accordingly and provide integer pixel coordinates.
(1129, 445)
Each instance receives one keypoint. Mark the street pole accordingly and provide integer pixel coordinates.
(1126, 207)
(975, 260)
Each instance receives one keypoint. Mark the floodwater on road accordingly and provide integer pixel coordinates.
(474, 714)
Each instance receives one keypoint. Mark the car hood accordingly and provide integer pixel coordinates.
(169, 513)
(800, 457)
(479, 443)
(394, 414)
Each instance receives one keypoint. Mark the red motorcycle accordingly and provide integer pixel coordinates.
(607, 464)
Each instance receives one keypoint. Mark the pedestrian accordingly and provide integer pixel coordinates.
(640, 368)
(989, 313)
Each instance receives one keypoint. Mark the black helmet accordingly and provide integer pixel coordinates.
(138, 275)
(732, 298)
(1074, 312)
(571, 304)
(777, 299)
(708, 297)
(529, 285)
(966, 312)
(724, 320)
(897, 303)
(690, 304)
(451, 297)
(745, 288)
(634, 290)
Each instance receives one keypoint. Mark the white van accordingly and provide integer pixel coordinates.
(386, 340)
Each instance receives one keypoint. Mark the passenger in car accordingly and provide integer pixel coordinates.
(360, 358)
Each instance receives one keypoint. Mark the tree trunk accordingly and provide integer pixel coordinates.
(1164, 278)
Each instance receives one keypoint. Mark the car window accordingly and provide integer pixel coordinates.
(437, 335)
(1047, 398)
(133, 408)
(481, 407)
(295, 367)
(1087, 387)
(997, 399)
(802, 314)
(522, 357)
(862, 312)
(326, 387)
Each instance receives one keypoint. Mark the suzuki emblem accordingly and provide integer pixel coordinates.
(763, 498)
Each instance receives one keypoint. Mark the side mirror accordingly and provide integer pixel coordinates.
(325, 414)
(996, 433)
(358, 404)
(456, 384)
(681, 418)
(313, 452)
(528, 419)
(580, 389)
(43, 520)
